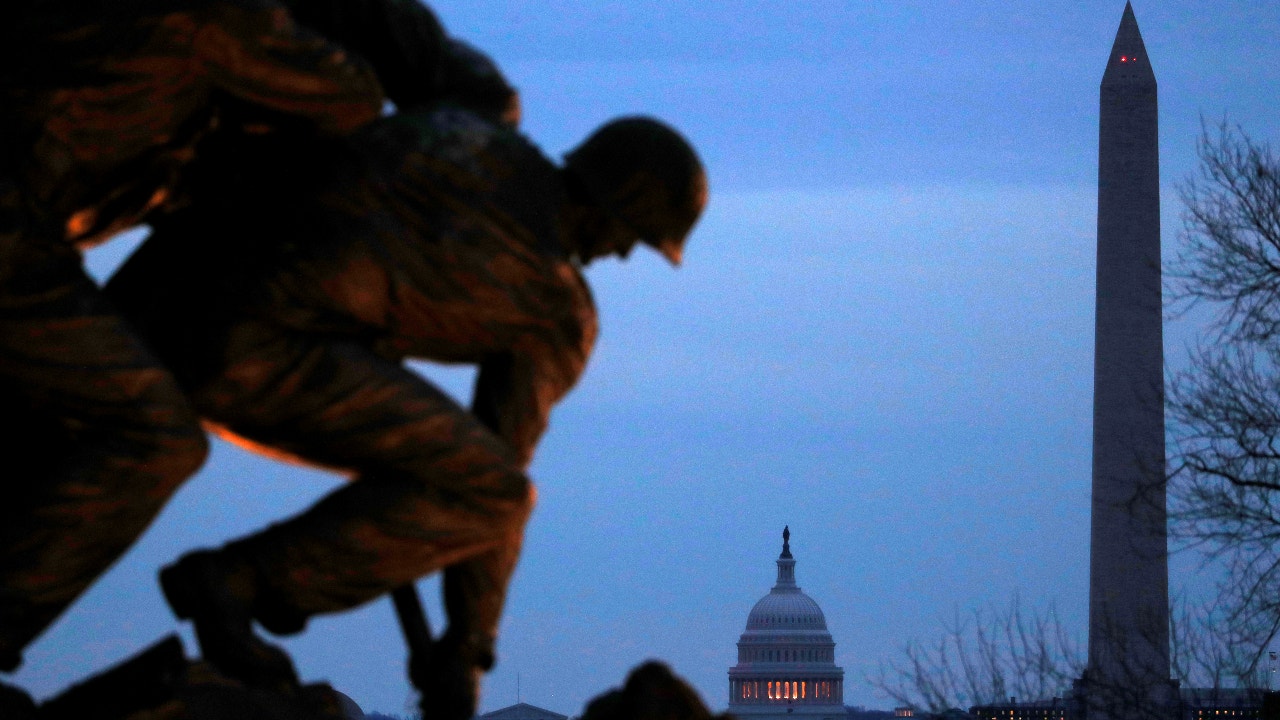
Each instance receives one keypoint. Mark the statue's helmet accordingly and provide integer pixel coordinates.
(646, 175)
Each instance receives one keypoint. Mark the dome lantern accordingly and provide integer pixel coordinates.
(786, 563)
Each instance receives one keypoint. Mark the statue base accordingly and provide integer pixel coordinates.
(160, 683)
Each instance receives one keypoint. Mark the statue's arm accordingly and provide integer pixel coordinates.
(262, 56)
(515, 390)
(415, 59)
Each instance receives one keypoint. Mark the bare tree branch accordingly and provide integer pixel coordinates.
(1224, 410)
(984, 657)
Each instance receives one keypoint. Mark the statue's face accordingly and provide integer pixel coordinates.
(603, 235)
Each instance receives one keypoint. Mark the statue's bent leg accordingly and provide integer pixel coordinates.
(449, 676)
(94, 429)
(433, 487)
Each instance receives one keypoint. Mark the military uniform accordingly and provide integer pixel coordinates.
(433, 235)
(104, 104)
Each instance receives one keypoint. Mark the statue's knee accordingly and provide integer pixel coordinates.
(171, 458)
(189, 452)
(176, 447)
(524, 496)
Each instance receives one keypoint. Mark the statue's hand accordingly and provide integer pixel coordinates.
(448, 677)
(449, 687)
(471, 79)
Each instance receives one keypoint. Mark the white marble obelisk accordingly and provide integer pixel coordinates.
(1128, 559)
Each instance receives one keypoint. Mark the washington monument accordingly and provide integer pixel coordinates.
(1128, 668)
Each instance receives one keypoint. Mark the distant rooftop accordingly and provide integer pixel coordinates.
(522, 711)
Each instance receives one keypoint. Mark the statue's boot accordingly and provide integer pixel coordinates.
(134, 687)
(15, 704)
(218, 594)
(448, 679)
(15, 633)
(10, 660)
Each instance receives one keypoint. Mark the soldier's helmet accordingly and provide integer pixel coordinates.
(646, 175)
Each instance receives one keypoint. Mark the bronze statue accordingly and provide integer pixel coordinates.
(651, 692)
(285, 317)
(104, 105)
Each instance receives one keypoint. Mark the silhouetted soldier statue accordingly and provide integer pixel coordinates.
(432, 234)
(103, 104)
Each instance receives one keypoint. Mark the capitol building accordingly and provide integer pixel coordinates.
(786, 657)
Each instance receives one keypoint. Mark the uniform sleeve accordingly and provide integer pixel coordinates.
(516, 390)
(414, 58)
(471, 79)
(402, 39)
(260, 55)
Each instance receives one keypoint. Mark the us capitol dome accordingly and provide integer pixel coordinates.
(786, 657)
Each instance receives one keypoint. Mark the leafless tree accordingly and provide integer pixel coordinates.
(984, 657)
(1224, 409)
(992, 654)
(1205, 653)
(1230, 255)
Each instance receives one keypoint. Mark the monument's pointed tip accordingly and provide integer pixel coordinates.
(1128, 32)
(1128, 20)
(1128, 62)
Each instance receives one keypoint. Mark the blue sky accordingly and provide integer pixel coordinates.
(882, 336)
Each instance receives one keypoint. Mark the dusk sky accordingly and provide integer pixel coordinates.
(882, 336)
